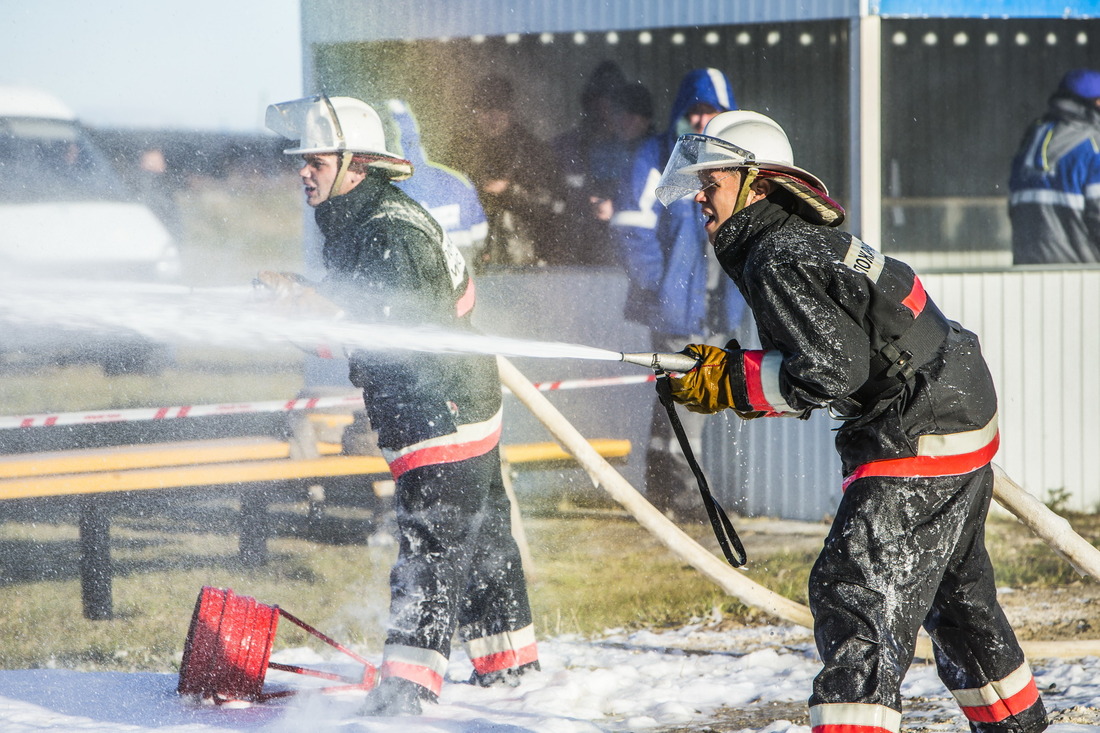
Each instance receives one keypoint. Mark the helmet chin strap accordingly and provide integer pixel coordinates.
(746, 186)
(338, 182)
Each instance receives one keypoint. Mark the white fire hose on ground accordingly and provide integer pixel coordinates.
(1053, 529)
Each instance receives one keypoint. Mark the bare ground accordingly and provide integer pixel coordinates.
(1063, 613)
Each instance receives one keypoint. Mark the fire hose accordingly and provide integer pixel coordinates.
(1046, 524)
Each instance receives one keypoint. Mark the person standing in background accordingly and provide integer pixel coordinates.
(514, 172)
(449, 196)
(675, 288)
(1054, 201)
(588, 161)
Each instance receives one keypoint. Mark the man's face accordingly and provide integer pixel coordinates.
(698, 115)
(718, 198)
(319, 173)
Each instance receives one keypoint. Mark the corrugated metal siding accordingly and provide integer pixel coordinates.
(338, 21)
(1039, 334)
(773, 467)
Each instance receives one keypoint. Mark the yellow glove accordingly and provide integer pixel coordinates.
(293, 295)
(706, 389)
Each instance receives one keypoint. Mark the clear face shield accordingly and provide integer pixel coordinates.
(693, 154)
(312, 121)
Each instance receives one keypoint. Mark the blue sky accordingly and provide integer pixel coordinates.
(180, 64)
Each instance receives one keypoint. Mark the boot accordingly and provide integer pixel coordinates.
(396, 696)
(504, 677)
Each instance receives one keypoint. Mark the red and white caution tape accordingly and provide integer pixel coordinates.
(353, 401)
(170, 413)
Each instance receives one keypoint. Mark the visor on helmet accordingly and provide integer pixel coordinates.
(694, 153)
(312, 121)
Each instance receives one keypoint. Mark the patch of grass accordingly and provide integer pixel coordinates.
(590, 574)
(1021, 559)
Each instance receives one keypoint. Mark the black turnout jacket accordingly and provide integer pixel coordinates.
(827, 306)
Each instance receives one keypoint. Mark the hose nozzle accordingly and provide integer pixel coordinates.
(659, 362)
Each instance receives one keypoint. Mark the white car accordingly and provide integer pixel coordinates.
(66, 214)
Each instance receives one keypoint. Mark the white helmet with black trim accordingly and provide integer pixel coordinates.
(741, 139)
(341, 125)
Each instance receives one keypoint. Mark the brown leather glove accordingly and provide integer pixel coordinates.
(292, 295)
(706, 388)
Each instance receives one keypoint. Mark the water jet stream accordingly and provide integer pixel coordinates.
(233, 318)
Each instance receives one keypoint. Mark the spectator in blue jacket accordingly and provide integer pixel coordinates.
(1055, 183)
(675, 288)
(448, 195)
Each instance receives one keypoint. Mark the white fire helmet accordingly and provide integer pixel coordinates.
(741, 139)
(341, 125)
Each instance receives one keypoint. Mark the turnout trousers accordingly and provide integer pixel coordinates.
(458, 567)
(905, 552)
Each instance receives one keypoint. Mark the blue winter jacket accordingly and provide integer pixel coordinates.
(448, 195)
(1055, 186)
(665, 250)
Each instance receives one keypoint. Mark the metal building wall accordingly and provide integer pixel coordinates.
(775, 467)
(337, 21)
(1039, 334)
(953, 112)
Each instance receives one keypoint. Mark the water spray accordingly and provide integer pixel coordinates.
(230, 317)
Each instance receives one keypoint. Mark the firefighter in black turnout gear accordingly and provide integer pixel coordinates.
(845, 329)
(438, 416)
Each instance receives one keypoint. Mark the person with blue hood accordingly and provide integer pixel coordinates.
(675, 289)
(448, 195)
(1055, 182)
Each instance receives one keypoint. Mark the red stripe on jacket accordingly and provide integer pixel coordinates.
(917, 298)
(754, 384)
(926, 466)
(465, 304)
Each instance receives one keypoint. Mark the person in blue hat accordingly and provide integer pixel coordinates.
(675, 289)
(1055, 183)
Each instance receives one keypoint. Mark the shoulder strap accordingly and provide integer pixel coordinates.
(896, 361)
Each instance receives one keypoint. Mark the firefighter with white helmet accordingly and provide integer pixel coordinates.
(846, 329)
(437, 416)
